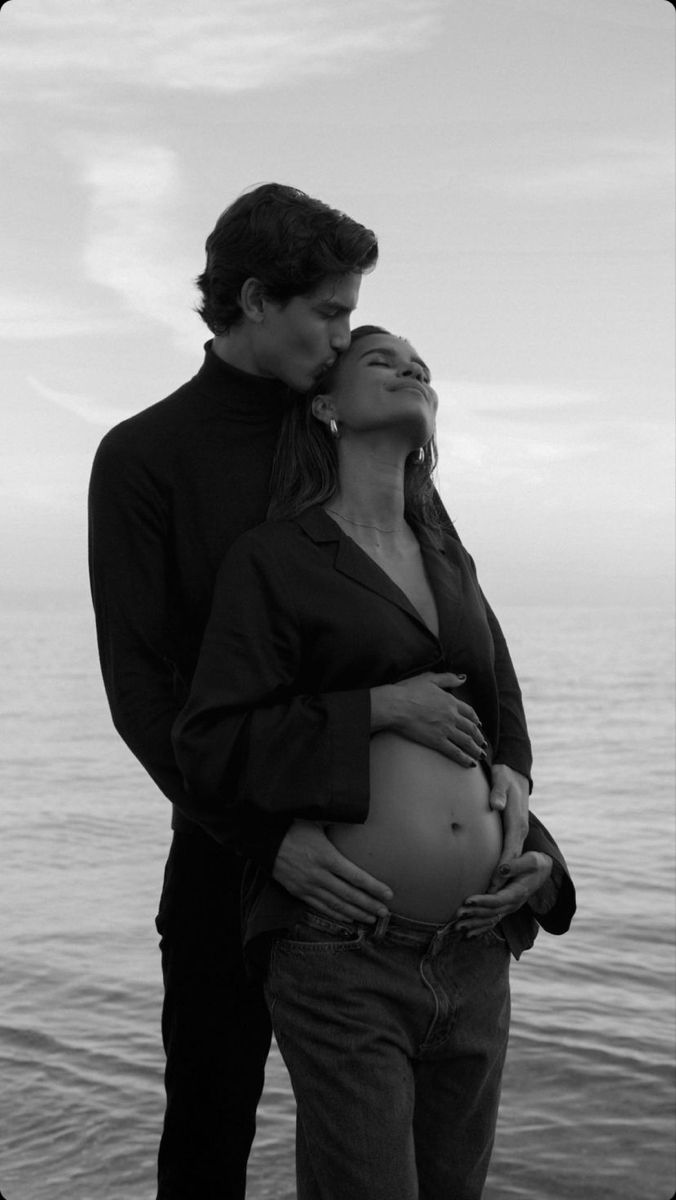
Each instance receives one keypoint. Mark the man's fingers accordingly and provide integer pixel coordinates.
(497, 800)
(344, 878)
(480, 913)
(326, 903)
(511, 865)
(514, 837)
(332, 896)
(329, 882)
(503, 871)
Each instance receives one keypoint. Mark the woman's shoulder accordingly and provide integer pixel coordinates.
(264, 540)
(445, 541)
(273, 542)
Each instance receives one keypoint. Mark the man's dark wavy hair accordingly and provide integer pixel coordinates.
(305, 466)
(285, 239)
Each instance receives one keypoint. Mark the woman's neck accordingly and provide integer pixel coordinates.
(369, 500)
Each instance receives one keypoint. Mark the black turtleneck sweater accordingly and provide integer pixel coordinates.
(171, 489)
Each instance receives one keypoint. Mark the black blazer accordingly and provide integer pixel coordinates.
(277, 725)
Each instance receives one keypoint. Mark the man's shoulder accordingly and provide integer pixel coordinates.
(152, 425)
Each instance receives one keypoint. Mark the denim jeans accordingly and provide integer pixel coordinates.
(395, 1039)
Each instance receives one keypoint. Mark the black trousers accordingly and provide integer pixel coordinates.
(215, 1026)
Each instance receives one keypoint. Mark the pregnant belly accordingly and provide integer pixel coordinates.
(430, 834)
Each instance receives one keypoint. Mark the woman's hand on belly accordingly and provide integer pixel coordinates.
(424, 710)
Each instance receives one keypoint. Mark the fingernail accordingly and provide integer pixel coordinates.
(460, 675)
(505, 869)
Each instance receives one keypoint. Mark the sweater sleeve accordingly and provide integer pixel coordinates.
(254, 750)
(561, 891)
(129, 584)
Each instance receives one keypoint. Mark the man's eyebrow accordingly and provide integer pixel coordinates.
(335, 306)
(386, 352)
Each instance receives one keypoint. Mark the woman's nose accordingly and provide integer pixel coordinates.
(414, 369)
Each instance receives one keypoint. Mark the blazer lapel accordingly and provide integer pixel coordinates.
(353, 562)
(445, 579)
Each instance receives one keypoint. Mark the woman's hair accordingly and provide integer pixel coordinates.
(285, 239)
(305, 466)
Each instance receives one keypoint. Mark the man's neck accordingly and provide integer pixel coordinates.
(235, 349)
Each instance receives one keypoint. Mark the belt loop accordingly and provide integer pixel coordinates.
(437, 941)
(380, 927)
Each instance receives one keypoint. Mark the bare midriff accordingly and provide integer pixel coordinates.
(430, 833)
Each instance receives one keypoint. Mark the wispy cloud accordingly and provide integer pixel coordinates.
(89, 409)
(234, 46)
(553, 439)
(621, 12)
(595, 172)
(48, 481)
(512, 398)
(511, 431)
(24, 317)
(132, 200)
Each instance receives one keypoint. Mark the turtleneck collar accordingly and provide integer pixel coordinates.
(248, 397)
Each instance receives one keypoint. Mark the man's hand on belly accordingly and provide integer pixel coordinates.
(314, 871)
(509, 795)
(526, 875)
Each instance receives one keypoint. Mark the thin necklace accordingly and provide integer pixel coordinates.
(360, 524)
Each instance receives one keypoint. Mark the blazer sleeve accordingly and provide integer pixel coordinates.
(514, 747)
(254, 753)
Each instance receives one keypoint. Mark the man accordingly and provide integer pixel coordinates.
(171, 488)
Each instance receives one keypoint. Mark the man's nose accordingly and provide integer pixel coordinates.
(340, 334)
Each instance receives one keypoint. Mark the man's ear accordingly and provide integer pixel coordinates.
(323, 408)
(252, 299)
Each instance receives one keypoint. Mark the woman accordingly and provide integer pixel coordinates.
(394, 1036)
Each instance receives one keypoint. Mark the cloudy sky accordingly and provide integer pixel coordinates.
(516, 158)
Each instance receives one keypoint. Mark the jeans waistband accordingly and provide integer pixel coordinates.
(392, 928)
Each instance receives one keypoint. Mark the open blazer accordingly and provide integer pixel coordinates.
(303, 623)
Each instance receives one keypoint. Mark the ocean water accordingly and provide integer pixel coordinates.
(588, 1099)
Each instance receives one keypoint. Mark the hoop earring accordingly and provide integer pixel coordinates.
(333, 426)
(420, 456)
